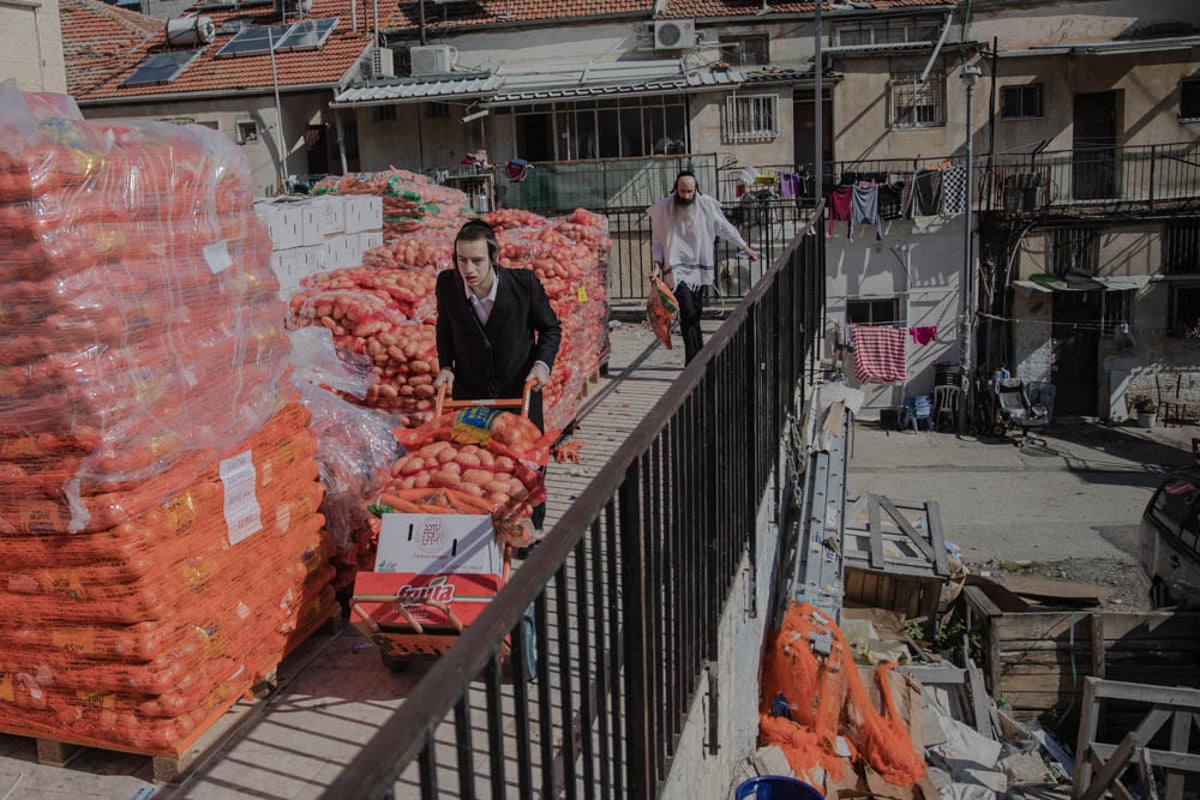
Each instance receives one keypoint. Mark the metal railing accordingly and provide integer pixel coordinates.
(1150, 175)
(602, 183)
(766, 225)
(619, 608)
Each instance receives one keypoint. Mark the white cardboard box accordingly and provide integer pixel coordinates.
(284, 222)
(427, 544)
(369, 240)
(364, 212)
(323, 216)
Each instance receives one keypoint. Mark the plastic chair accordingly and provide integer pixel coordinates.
(776, 787)
(918, 409)
(945, 406)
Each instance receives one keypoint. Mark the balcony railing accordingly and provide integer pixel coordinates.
(618, 611)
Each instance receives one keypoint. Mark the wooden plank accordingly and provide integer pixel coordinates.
(978, 598)
(1163, 759)
(936, 538)
(54, 753)
(1181, 727)
(934, 673)
(1125, 626)
(906, 528)
(875, 543)
(1097, 633)
(979, 698)
(1116, 763)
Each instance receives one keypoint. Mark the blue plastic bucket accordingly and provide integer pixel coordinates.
(777, 787)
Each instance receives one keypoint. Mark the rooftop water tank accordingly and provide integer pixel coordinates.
(190, 31)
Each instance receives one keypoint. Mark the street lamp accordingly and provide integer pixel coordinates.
(970, 75)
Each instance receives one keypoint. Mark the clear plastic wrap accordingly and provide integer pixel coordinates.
(432, 251)
(406, 290)
(411, 203)
(143, 327)
(355, 446)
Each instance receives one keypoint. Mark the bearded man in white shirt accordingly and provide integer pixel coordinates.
(684, 227)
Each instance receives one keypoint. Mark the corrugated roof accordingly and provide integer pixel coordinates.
(460, 13)
(618, 78)
(413, 91)
(699, 9)
(208, 74)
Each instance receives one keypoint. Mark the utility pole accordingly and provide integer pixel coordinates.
(818, 106)
(969, 74)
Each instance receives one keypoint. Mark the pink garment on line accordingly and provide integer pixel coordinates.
(840, 200)
(879, 353)
(923, 334)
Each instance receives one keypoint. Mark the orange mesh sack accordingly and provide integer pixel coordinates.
(825, 699)
(661, 307)
(144, 332)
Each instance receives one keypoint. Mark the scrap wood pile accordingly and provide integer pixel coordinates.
(384, 313)
(838, 713)
(158, 518)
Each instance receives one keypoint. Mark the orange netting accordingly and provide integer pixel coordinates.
(826, 699)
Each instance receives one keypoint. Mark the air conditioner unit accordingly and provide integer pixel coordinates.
(382, 63)
(674, 34)
(433, 59)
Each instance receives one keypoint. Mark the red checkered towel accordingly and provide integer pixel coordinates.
(879, 355)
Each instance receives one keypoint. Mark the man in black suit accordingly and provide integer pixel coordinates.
(495, 328)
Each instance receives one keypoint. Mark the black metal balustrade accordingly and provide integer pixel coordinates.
(627, 592)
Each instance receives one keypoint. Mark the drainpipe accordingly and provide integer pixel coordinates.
(937, 48)
(341, 139)
(283, 156)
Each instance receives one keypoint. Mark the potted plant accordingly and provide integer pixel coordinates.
(1147, 410)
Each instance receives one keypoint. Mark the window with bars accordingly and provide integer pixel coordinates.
(383, 114)
(917, 104)
(1189, 100)
(1181, 248)
(751, 117)
(745, 51)
(1184, 311)
(437, 110)
(1118, 311)
(884, 33)
(876, 311)
(1074, 250)
(1021, 102)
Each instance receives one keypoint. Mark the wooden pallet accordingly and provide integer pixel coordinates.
(172, 769)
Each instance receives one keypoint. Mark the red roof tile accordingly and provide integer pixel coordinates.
(699, 9)
(406, 16)
(98, 39)
(209, 74)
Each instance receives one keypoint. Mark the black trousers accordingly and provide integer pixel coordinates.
(691, 306)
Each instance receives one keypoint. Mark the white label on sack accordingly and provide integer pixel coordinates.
(242, 514)
(217, 256)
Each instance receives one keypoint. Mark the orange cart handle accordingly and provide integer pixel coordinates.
(522, 403)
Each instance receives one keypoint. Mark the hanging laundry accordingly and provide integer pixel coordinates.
(789, 184)
(890, 202)
(865, 208)
(923, 334)
(839, 205)
(954, 191)
(879, 353)
(927, 193)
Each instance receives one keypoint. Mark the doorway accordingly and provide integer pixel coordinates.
(1075, 344)
(1094, 140)
(804, 136)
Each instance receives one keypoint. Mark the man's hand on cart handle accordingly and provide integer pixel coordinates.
(445, 377)
(539, 375)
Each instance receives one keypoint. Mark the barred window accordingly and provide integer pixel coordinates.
(917, 104)
(1021, 102)
(383, 114)
(751, 117)
(437, 110)
(745, 51)
(1181, 248)
(1075, 250)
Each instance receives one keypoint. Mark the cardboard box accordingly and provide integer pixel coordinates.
(284, 222)
(451, 559)
(369, 240)
(323, 216)
(364, 212)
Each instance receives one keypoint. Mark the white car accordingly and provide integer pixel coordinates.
(1167, 542)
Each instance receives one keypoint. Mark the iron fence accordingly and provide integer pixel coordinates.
(602, 183)
(766, 224)
(617, 613)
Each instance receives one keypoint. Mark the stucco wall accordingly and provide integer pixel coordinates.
(865, 268)
(31, 46)
(1033, 311)
(263, 154)
(1021, 23)
(861, 112)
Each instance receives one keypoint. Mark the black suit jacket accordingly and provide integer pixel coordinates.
(492, 360)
